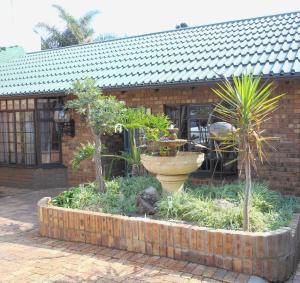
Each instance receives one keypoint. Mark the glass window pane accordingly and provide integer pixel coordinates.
(10, 105)
(3, 105)
(4, 156)
(30, 103)
(17, 135)
(23, 104)
(16, 104)
(49, 136)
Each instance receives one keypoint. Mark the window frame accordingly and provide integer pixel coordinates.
(37, 132)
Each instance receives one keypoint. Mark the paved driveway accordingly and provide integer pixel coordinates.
(26, 257)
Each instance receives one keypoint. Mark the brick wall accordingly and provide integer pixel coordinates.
(35, 178)
(269, 254)
(283, 169)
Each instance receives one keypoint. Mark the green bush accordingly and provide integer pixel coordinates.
(215, 207)
(269, 210)
(119, 198)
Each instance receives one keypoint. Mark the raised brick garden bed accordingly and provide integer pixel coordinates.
(272, 255)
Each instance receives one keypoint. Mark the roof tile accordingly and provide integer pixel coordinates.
(267, 45)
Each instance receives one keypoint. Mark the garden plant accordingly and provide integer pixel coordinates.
(247, 103)
(102, 113)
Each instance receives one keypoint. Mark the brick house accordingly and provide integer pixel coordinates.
(171, 72)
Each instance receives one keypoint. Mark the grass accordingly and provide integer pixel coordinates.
(215, 207)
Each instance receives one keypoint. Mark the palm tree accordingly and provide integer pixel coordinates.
(77, 30)
(247, 104)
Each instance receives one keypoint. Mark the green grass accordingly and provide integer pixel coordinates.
(269, 210)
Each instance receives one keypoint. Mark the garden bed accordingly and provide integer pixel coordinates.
(271, 254)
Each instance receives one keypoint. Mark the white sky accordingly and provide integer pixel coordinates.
(128, 17)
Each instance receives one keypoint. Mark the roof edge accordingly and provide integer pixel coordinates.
(147, 86)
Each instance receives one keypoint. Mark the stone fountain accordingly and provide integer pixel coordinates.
(172, 167)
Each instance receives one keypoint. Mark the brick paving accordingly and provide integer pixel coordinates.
(26, 257)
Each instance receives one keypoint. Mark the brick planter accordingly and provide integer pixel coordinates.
(271, 255)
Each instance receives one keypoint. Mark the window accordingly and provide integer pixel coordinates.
(27, 133)
(192, 121)
(49, 137)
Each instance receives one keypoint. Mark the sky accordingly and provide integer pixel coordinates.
(127, 17)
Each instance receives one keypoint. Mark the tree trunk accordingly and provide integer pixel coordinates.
(247, 193)
(98, 165)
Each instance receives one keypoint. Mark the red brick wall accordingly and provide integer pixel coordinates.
(34, 178)
(69, 145)
(283, 169)
(271, 255)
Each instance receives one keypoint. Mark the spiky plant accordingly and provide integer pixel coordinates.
(247, 103)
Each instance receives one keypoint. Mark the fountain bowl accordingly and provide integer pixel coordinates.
(172, 171)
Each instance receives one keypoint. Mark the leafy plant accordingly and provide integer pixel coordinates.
(84, 152)
(247, 104)
(138, 119)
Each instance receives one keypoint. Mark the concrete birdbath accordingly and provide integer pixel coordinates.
(172, 170)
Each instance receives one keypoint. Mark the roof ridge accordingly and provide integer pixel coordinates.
(160, 32)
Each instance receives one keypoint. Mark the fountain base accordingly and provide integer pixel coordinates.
(172, 184)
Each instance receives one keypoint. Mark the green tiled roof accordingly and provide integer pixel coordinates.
(7, 53)
(269, 46)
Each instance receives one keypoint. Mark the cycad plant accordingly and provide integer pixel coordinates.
(247, 103)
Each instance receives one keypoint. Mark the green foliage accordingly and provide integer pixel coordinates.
(65, 199)
(154, 125)
(103, 112)
(76, 30)
(269, 210)
(84, 152)
(200, 205)
(119, 197)
(121, 193)
(247, 104)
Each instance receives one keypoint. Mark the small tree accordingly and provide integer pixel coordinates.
(247, 104)
(103, 114)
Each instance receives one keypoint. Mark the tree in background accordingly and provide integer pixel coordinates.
(77, 30)
(246, 104)
(182, 25)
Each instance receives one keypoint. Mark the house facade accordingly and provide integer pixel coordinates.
(171, 72)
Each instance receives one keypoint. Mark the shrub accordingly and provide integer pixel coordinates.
(269, 210)
(119, 197)
(210, 206)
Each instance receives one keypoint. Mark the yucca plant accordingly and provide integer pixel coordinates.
(247, 104)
